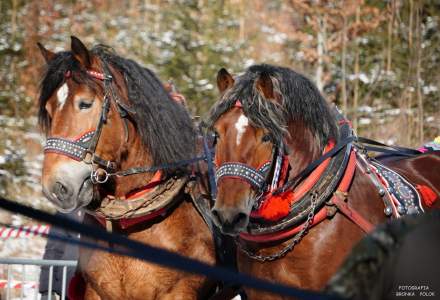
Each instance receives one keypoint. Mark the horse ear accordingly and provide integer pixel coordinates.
(80, 52)
(224, 80)
(47, 54)
(264, 84)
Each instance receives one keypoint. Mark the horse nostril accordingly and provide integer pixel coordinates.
(60, 190)
(217, 216)
(239, 218)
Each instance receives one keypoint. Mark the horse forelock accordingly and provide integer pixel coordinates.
(299, 100)
(164, 126)
(53, 78)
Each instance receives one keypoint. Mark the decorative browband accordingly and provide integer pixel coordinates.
(256, 178)
(75, 149)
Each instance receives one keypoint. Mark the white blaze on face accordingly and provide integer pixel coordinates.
(241, 125)
(62, 94)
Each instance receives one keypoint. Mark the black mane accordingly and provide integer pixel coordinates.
(165, 126)
(301, 100)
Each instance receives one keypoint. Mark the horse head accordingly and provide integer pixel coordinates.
(103, 113)
(257, 121)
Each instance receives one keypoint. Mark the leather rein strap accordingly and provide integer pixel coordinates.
(387, 149)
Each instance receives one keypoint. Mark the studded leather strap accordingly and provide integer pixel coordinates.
(75, 149)
(256, 178)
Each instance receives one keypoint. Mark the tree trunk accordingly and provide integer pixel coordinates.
(410, 86)
(343, 63)
(356, 71)
(320, 52)
(13, 68)
(390, 35)
(418, 72)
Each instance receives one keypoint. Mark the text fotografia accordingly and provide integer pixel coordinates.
(414, 290)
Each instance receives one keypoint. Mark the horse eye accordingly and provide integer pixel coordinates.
(214, 137)
(266, 138)
(84, 105)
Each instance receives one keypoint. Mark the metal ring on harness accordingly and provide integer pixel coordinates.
(97, 174)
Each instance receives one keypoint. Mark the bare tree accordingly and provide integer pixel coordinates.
(343, 62)
(356, 71)
(418, 49)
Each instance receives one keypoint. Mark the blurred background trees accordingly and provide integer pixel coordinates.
(378, 60)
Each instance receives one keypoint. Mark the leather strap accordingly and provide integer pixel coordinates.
(340, 196)
(396, 150)
(352, 214)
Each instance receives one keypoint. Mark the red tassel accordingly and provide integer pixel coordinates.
(276, 207)
(429, 197)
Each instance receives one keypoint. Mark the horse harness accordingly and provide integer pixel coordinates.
(153, 200)
(319, 191)
(310, 209)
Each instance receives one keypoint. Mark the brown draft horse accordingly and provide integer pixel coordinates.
(272, 117)
(105, 115)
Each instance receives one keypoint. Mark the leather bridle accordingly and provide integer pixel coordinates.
(84, 148)
(257, 178)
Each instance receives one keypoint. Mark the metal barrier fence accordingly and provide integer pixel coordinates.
(36, 263)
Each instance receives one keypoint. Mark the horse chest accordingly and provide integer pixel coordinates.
(116, 277)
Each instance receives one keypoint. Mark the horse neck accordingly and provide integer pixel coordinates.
(303, 147)
(136, 156)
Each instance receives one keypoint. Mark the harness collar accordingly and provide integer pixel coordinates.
(313, 187)
(154, 201)
(274, 207)
(319, 215)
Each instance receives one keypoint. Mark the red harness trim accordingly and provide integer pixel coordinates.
(124, 223)
(277, 207)
(128, 222)
(150, 185)
(342, 205)
(320, 215)
(79, 136)
(95, 74)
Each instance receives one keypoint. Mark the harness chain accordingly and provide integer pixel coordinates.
(295, 240)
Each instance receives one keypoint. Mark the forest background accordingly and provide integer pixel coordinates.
(377, 60)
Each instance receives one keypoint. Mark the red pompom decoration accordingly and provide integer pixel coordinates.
(428, 195)
(276, 207)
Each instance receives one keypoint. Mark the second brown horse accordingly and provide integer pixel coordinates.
(273, 122)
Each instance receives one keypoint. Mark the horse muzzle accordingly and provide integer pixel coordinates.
(68, 186)
(230, 220)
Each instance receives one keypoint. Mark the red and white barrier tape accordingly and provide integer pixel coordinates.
(24, 231)
(18, 284)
